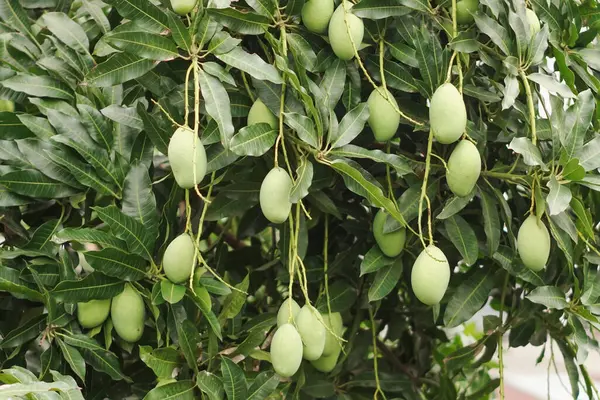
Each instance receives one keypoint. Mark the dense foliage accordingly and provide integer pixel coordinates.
(92, 195)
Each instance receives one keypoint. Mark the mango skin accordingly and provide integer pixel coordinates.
(183, 7)
(286, 350)
(464, 8)
(464, 168)
(7, 106)
(447, 114)
(283, 315)
(430, 275)
(383, 118)
(316, 15)
(533, 243)
(260, 113)
(391, 244)
(275, 195)
(534, 21)
(178, 260)
(128, 314)
(181, 156)
(312, 332)
(93, 313)
(338, 34)
(334, 322)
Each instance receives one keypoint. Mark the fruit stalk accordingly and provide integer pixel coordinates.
(530, 105)
(375, 356)
(196, 122)
(200, 225)
(424, 192)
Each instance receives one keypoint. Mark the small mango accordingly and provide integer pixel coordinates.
(430, 275)
(383, 118)
(283, 315)
(93, 313)
(260, 113)
(391, 244)
(316, 15)
(181, 157)
(447, 114)
(533, 243)
(179, 258)
(464, 168)
(311, 331)
(286, 350)
(334, 322)
(183, 7)
(275, 195)
(128, 314)
(340, 41)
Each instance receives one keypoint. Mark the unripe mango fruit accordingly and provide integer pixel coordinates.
(178, 260)
(391, 244)
(464, 8)
(181, 158)
(327, 363)
(7, 105)
(383, 118)
(93, 313)
(275, 195)
(128, 314)
(286, 350)
(312, 332)
(283, 315)
(316, 15)
(260, 113)
(464, 168)
(183, 7)
(534, 21)
(430, 275)
(447, 114)
(334, 322)
(340, 41)
(533, 243)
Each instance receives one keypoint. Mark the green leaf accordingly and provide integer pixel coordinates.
(243, 23)
(385, 280)
(11, 282)
(463, 237)
(429, 55)
(214, 286)
(119, 68)
(302, 51)
(465, 43)
(531, 154)
(220, 73)
(34, 184)
(18, 389)
(399, 163)
(333, 81)
(138, 198)
(469, 297)
(156, 132)
(251, 64)
(350, 126)
(342, 297)
(205, 308)
(253, 140)
(234, 380)
(97, 14)
(379, 9)
(180, 390)
(94, 286)
(12, 12)
(491, 221)
(39, 86)
(143, 44)
(98, 127)
(162, 361)
(217, 106)
(374, 260)
(263, 7)
(584, 217)
(495, 31)
(67, 31)
(576, 123)
(589, 156)
(304, 127)
(88, 235)
(263, 386)
(25, 332)
(180, 33)
(223, 43)
(210, 384)
(171, 292)
(549, 296)
(304, 178)
(74, 358)
(115, 263)
(404, 53)
(235, 301)
(550, 84)
(559, 197)
(143, 13)
(455, 205)
(189, 339)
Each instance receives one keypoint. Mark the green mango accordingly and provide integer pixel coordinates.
(464, 8)
(430, 275)
(275, 195)
(334, 322)
(259, 113)
(183, 7)
(312, 331)
(534, 21)
(325, 363)
(464, 168)
(7, 106)
(93, 313)
(286, 350)
(391, 244)
(533, 243)
(316, 15)
(181, 157)
(128, 314)
(340, 41)
(179, 258)
(447, 114)
(283, 315)
(383, 118)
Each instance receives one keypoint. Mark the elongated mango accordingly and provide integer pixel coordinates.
(391, 244)
(316, 15)
(283, 315)
(311, 331)
(128, 314)
(334, 322)
(93, 313)
(340, 41)
(183, 7)
(179, 258)
(383, 118)
(181, 157)
(275, 195)
(430, 275)
(447, 114)
(286, 350)
(260, 113)
(533, 243)
(464, 168)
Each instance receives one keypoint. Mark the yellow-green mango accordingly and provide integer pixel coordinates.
(286, 350)
(260, 113)
(181, 158)
(183, 7)
(7, 105)
(447, 114)
(430, 275)
(275, 195)
(534, 21)
(533, 243)
(316, 15)
(283, 315)
(464, 168)
(383, 118)
(179, 257)
(325, 363)
(340, 41)
(334, 322)
(128, 314)
(464, 8)
(312, 331)
(93, 313)
(391, 244)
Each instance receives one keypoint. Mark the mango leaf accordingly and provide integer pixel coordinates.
(559, 197)
(463, 237)
(399, 164)
(550, 84)
(263, 385)
(119, 68)
(576, 123)
(12, 12)
(88, 235)
(73, 358)
(115, 263)
(189, 339)
(95, 355)
(39, 86)
(24, 332)
(333, 81)
(143, 44)
(155, 131)
(143, 13)
(495, 31)
(374, 260)
(253, 140)
(244, 23)
(385, 280)
(171, 292)
(350, 126)
(205, 308)
(263, 7)
(68, 31)
(34, 184)
(550, 296)
(469, 297)
(98, 127)
(251, 64)
(234, 380)
(342, 297)
(304, 127)
(180, 33)
(455, 205)
(139, 201)
(491, 221)
(217, 105)
(210, 384)
(304, 178)
(180, 390)
(162, 361)
(94, 286)
(531, 154)
(379, 9)
(235, 301)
